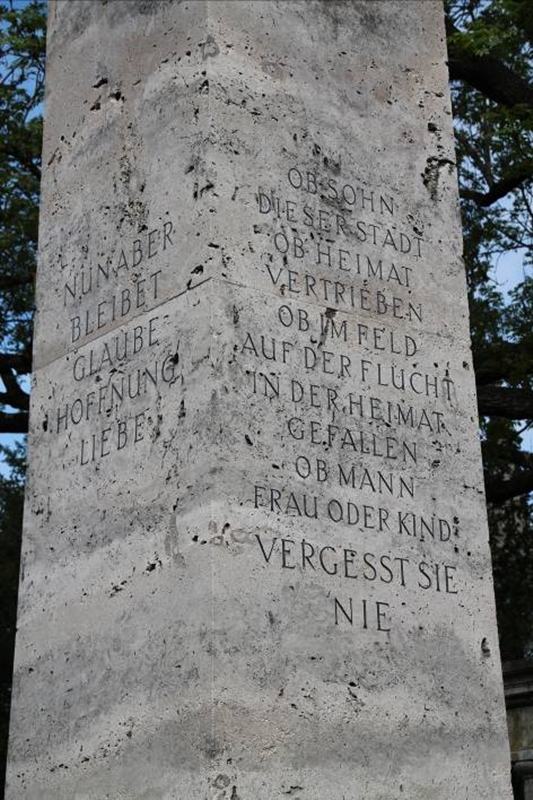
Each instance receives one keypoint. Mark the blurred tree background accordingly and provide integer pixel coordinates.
(490, 47)
(490, 44)
(22, 50)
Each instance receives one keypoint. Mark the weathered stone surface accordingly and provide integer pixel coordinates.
(255, 558)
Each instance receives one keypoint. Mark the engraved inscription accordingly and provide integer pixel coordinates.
(364, 412)
(119, 372)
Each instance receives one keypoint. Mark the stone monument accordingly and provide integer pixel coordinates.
(255, 560)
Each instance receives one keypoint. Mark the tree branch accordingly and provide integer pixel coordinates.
(503, 401)
(14, 396)
(20, 362)
(520, 458)
(24, 160)
(10, 281)
(499, 361)
(485, 73)
(500, 188)
(498, 491)
(13, 423)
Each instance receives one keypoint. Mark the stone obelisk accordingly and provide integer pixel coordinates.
(256, 558)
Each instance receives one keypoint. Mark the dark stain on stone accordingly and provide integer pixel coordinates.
(147, 7)
(209, 48)
(207, 188)
(221, 781)
(118, 587)
(431, 174)
(175, 359)
(333, 165)
(212, 750)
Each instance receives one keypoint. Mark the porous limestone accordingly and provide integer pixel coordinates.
(256, 560)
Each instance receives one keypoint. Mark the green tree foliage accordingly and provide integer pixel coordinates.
(22, 43)
(490, 44)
